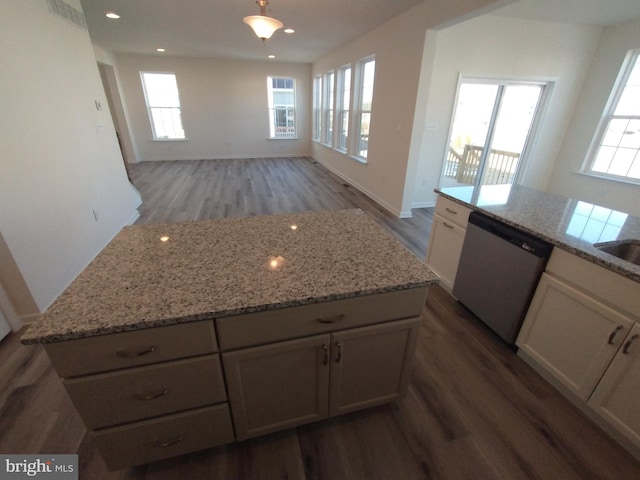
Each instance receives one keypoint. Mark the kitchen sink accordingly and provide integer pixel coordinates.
(628, 250)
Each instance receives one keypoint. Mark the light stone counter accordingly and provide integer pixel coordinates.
(569, 224)
(215, 268)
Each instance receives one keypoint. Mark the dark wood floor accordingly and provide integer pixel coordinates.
(474, 410)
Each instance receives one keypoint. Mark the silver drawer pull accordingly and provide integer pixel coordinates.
(614, 334)
(158, 444)
(448, 225)
(627, 345)
(451, 211)
(153, 396)
(325, 359)
(123, 354)
(334, 319)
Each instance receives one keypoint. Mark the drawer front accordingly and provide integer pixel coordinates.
(287, 323)
(118, 397)
(452, 211)
(164, 437)
(131, 349)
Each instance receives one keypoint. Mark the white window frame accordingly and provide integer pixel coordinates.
(317, 108)
(361, 111)
(329, 107)
(177, 110)
(290, 132)
(632, 59)
(344, 106)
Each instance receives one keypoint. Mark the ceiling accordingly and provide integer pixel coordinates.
(214, 28)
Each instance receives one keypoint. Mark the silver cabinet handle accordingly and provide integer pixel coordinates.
(333, 319)
(124, 354)
(159, 444)
(153, 396)
(450, 210)
(614, 334)
(627, 345)
(325, 360)
(448, 225)
(339, 355)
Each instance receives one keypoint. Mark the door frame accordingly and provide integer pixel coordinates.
(547, 85)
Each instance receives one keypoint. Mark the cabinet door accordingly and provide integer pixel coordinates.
(371, 365)
(445, 246)
(616, 397)
(277, 386)
(571, 335)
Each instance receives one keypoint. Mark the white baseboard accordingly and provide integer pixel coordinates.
(423, 204)
(225, 157)
(372, 196)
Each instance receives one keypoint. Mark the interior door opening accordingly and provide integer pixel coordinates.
(492, 125)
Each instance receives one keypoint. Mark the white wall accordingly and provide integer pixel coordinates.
(500, 47)
(60, 160)
(398, 47)
(224, 107)
(567, 180)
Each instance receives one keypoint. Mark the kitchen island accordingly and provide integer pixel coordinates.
(179, 337)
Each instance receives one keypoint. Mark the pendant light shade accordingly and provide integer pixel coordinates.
(262, 25)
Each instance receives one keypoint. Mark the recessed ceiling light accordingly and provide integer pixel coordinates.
(112, 15)
(271, 56)
(289, 30)
(160, 50)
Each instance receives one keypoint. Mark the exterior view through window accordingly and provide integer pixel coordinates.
(282, 107)
(368, 69)
(344, 99)
(163, 105)
(616, 152)
(491, 127)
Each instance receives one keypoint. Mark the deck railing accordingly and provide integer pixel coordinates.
(463, 167)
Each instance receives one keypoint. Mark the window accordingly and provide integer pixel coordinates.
(328, 107)
(163, 104)
(367, 74)
(616, 152)
(282, 107)
(342, 113)
(317, 108)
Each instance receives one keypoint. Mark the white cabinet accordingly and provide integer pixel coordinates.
(292, 366)
(582, 332)
(291, 383)
(571, 335)
(616, 397)
(445, 240)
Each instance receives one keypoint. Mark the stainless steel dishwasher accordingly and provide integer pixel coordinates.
(498, 272)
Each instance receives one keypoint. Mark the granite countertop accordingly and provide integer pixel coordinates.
(214, 268)
(572, 225)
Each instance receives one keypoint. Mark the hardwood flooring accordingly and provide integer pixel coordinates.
(474, 410)
(203, 189)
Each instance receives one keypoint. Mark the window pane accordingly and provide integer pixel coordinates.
(162, 90)
(163, 104)
(618, 150)
(281, 101)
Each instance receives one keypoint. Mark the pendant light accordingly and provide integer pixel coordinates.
(262, 25)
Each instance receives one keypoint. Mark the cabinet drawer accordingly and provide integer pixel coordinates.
(452, 211)
(131, 349)
(118, 397)
(164, 437)
(287, 323)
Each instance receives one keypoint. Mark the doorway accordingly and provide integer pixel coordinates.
(491, 128)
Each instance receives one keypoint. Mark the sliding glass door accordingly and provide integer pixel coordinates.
(491, 126)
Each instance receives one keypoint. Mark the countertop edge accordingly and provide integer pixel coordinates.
(598, 260)
(143, 325)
